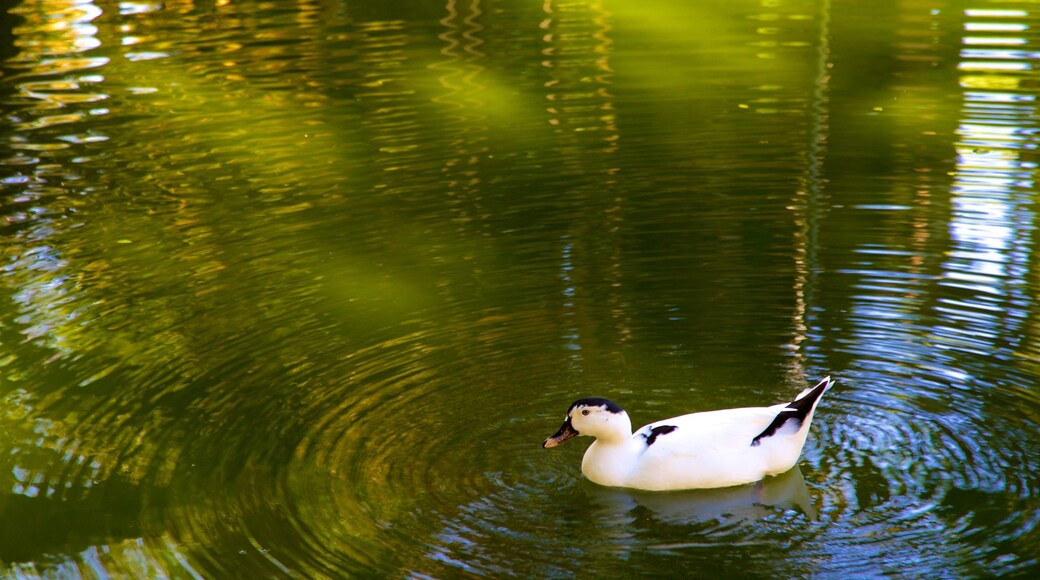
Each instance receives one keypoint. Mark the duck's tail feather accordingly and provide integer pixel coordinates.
(797, 410)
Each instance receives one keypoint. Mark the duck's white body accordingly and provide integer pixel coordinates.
(699, 450)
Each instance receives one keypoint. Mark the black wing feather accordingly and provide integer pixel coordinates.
(657, 432)
(796, 411)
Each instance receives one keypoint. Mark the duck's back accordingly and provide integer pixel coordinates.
(713, 449)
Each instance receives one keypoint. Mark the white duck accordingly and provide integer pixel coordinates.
(699, 450)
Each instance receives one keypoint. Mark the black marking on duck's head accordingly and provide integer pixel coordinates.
(596, 402)
(657, 432)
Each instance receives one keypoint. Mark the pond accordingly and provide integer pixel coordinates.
(297, 288)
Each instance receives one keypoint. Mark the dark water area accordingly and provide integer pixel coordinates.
(298, 288)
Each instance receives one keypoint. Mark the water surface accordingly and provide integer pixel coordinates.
(298, 288)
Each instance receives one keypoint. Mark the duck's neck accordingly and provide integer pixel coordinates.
(619, 431)
(609, 460)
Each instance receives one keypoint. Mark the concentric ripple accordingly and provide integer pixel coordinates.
(900, 475)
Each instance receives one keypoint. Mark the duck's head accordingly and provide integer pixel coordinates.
(597, 417)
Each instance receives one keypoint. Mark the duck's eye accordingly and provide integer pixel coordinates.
(585, 412)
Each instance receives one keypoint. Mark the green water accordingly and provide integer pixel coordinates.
(298, 288)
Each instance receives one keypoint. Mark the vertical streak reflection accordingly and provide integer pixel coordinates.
(464, 102)
(992, 220)
(808, 201)
(580, 109)
(43, 129)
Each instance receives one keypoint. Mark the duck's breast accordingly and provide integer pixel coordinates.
(610, 464)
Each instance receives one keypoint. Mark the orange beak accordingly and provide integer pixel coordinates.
(566, 432)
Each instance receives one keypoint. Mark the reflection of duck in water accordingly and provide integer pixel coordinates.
(745, 502)
(695, 451)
